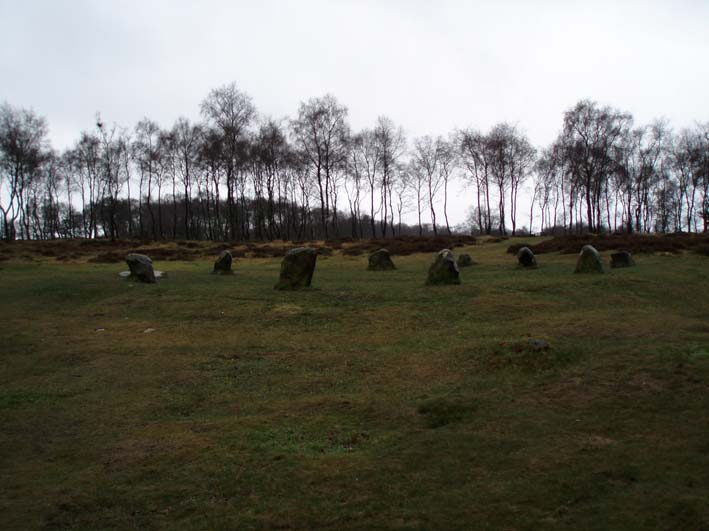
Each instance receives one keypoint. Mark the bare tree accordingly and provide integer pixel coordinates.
(322, 134)
(523, 157)
(110, 170)
(187, 139)
(23, 148)
(547, 187)
(229, 112)
(51, 178)
(591, 136)
(640, 155)
(390, 145)
(270, 156)
(416, 176)
(354, 182)
(402, 192)
(448, 161)
(426, 160)
(366, 152)
(475, 157)
(146, 151)
(702, 171)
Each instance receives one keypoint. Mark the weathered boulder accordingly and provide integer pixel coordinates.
(622, 259)
(526, 257)
(465, 260)
(589, 261)
(223, 263)
(443, 270)
(141, 268)
(380, 261)
(297, 268)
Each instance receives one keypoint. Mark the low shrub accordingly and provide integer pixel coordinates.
(167, 253)
(406, 245)
(216, 249)
(702, 249)
(111, 257)
(635, 243)
(268, 251)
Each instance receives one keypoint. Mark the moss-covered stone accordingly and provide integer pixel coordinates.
(380, 261)
(141, 268)
(622, 259)
(526, 257)
(443, 270)
(297, 268)
(223, 264)
(465, 260)
(589, 261)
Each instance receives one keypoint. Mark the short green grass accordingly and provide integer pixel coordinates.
(369, 401)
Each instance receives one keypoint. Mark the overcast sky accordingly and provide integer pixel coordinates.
(430, 66)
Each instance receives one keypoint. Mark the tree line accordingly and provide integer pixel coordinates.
(238, 175)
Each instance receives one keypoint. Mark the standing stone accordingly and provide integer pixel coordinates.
(622, 259)
(443, 270)
(297, 268)
(223, 263)
(526, 257)
(589, 261)
(141, 268)
(465, 260)
(380, 261)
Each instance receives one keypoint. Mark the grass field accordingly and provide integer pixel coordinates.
(369, 401)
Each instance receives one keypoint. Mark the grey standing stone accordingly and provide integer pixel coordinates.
(465, 260)
(526, 257)
(297, 268)
(589, 261)
(141, 268)
(223, 263)
(622, 259)
(380, 261)
(443, 270)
